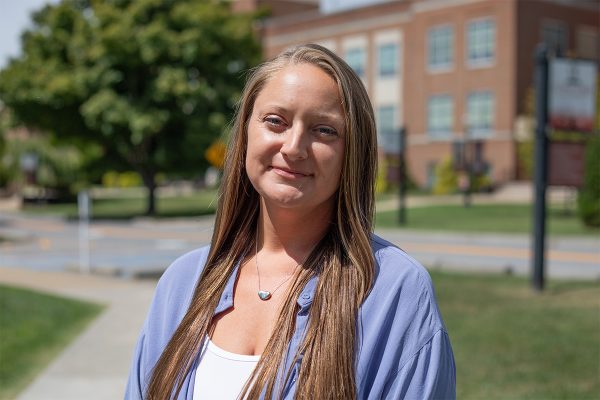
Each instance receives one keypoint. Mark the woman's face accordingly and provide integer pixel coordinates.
(296, 139)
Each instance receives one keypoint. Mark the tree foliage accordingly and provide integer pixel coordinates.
(588, 200)
(153, 82)
(57, 169)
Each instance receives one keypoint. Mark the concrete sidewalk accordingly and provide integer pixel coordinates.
(96, 364)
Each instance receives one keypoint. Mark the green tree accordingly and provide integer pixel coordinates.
(588, 199)
(152, 82)
(5, 119)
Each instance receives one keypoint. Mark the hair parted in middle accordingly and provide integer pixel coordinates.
(343, 259)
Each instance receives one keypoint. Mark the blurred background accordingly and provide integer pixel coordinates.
(114, 118)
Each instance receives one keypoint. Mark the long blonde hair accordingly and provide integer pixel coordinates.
(343, 260)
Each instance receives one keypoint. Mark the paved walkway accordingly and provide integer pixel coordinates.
(95, 365)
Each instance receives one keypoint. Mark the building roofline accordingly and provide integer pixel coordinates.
(314, 15)
(315, 34)
(589, 5)
(410, 6)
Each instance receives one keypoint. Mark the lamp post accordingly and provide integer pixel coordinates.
(466, 177)
(540, 170)
(402, 177)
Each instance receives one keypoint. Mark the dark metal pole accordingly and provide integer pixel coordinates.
(467, 151)
(403, 175)
(540, 166)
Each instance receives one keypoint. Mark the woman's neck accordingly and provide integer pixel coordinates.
(295, 232)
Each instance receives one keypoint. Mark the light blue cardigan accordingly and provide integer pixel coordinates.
(403, 348)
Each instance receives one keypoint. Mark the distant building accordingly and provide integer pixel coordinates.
(449, 71)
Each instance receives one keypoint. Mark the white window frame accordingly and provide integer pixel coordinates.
(363, 60)
(444, 132)
(438, 67)
(396, 60)
(481, 62)
(388, 135)
(476, 130)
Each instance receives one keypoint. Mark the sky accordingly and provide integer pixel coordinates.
(14, 19)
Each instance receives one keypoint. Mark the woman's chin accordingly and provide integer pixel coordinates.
(286, 201)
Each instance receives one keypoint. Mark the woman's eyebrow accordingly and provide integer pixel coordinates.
(320, 114)
(330, 117)
(273, 107)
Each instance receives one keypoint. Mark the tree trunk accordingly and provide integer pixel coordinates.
(150, 183)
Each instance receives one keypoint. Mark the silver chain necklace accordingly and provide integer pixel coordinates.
(265, 295)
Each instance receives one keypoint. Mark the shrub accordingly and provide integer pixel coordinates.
(446, 178)
(588, 200)
(525, 158)
(125, 179)
(381, 183)
(482, 183)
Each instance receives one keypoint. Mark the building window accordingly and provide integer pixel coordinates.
(440, 116)
(554, 34)
(431, 175)
(356, 59)
(440, 47)
(588, 43)
(480, 114)
(389, 137)
(388, 59)
(481, 41)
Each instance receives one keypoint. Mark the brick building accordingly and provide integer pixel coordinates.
(450, 71)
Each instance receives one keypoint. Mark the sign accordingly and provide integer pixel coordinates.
(572, 103)
(566, 164)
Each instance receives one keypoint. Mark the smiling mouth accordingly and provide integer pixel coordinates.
(288, 173)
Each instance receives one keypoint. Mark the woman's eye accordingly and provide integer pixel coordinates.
(326, 131)
(273, 121)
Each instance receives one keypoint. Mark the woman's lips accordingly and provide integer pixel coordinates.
(288, 173)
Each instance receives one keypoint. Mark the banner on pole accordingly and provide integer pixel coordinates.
(572, 103)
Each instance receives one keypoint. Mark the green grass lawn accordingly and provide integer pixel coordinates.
(500, 218)
(34, 327)
(199, 203)
(511, 343)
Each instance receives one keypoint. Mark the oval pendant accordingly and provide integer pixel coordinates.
(264, 294)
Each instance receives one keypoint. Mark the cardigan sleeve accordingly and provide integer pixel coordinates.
(134, 389)
(429, 374)
(171, 300)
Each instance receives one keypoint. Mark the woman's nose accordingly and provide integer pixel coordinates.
(295, 144)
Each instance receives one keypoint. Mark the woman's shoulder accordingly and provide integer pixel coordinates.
(179, 280)
(402, 286)
(186, 265)
(402, 336)
(394, 264)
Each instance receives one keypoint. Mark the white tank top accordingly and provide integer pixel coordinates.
(221, 375)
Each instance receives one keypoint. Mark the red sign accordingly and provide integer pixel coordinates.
(566, 164)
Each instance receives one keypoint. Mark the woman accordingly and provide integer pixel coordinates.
(296, 298)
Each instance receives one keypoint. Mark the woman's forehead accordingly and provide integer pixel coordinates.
(298, 85)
